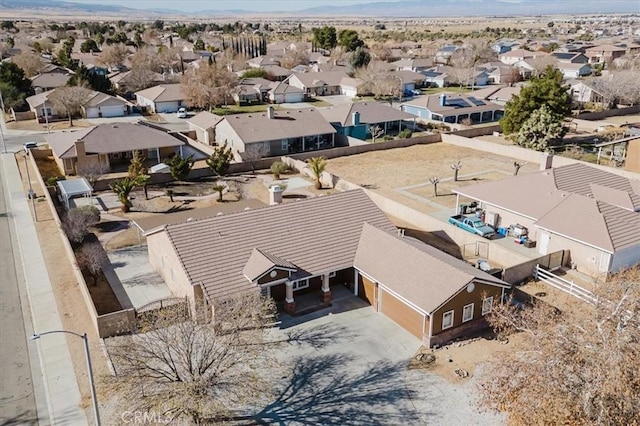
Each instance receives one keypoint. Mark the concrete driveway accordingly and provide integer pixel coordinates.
(349, 367)
(141, 283)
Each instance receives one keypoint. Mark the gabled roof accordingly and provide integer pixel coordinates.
(319, 79)
(279, 87)
(50, 79)
(110, 138)
(162, 93)
(578, 201)
(260, 262)
(205, 120)
(417, 272)
(317, 235)
(258, 127)
(370, 113)
(413, 63)
(100, 98)
(454, 103)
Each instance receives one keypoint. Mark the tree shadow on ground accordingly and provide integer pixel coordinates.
(322, 391)
(320, 336)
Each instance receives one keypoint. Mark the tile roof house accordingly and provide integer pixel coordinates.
(357, 119)
(454, 108)
(97, 104)
(413, 64)
(110, 144)
(281, 92)
(318, 83)
(50, 80)
(604, 53)
(161, 98)
(592, 213)
(432, 295)
(204, 124)
(279, 132)
(513, 56)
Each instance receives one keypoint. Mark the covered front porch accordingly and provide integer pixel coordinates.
(298, 297)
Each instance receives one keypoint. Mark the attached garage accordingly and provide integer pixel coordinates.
(367, 290)
(402, 314)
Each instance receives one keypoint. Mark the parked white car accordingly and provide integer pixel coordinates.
(182, 112)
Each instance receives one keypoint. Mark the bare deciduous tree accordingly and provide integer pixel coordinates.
(198, 371)
(294, 57)
(114, 55)
(69, 100)
(140, 78)
(435, 180)
(574, 367)
(92, 258)
(540, 63)
(376, 132)
(456, 169)
(30, 63)
(254, 152)
(379, 81)
(512, 77)
(209, 86)
(93, 171)
(77, 221)
(517, 165)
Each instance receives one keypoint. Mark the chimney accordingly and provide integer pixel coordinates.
(546, 161)
(271, 113)
(80, 150)
(275, 195)
(355, 118)
(443, 100)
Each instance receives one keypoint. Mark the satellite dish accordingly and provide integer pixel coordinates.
(484, 265)
(471, 287)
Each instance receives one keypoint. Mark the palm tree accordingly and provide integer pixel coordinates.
(122, 189)
(219, 188)
(317, 166)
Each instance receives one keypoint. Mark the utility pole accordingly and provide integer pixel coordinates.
(4, 142)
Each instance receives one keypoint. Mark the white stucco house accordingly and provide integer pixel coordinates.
(161, 98)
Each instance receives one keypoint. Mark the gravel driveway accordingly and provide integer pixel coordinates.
(349, 367)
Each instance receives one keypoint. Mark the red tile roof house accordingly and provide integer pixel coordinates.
(299, 254)
(592, 213)
(110, 144)
(278, 132)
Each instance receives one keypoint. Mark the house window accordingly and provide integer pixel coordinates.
(299, 285)
(266, 147)
(285, 145)
(467, 312)
(447, 320)
(487, 304)
(332, 274)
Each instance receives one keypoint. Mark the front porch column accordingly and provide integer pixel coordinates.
(457, 204)
(326, 290)
(318, 142)
(181, 151)
(303, 145)
(289, 303)
(333, 140)
(158, 154)
(355, 281)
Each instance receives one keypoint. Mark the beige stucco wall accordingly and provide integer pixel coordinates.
(588, 260)
(165, 261)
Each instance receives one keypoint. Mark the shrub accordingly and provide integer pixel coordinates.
(77, 221)
(278, 168)
(405, 134)
(51, 180)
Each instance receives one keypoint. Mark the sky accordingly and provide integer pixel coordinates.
(491, 6)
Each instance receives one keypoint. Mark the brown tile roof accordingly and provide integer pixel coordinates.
(162, 93)
(152, 223)
(370, 113)
(319, 79)
(50, 79)
(258, 127)
(317, 235)
(260, 262)
(415, 271)
(578, 201)
(109, 138)
(205, 120)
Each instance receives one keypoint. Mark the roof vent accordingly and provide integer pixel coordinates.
(219, 214)
(247, 209)
(115, 126)
(190, 219)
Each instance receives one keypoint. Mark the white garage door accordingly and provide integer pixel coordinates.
(92, 112)
(112, 111)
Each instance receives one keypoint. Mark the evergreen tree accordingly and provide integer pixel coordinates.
(547, 89)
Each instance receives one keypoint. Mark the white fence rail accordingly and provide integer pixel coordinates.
(564, 285)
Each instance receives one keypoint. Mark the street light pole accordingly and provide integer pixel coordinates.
(85, 339)
(4, 142)
(31, 194)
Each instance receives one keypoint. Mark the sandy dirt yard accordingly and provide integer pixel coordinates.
(403, 174)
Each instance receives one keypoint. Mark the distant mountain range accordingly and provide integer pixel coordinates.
(404, 8)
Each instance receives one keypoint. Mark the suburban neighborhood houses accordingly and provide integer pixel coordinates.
(239, 212)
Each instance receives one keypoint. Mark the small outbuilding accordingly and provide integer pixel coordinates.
(73, 188)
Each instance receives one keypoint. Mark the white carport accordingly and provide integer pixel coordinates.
(74, 187)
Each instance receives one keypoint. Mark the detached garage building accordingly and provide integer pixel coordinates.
(313, 249)
(434, 296)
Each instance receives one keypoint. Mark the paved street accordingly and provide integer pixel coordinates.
(17, 401)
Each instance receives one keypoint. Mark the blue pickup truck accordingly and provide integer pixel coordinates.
(473, 224)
